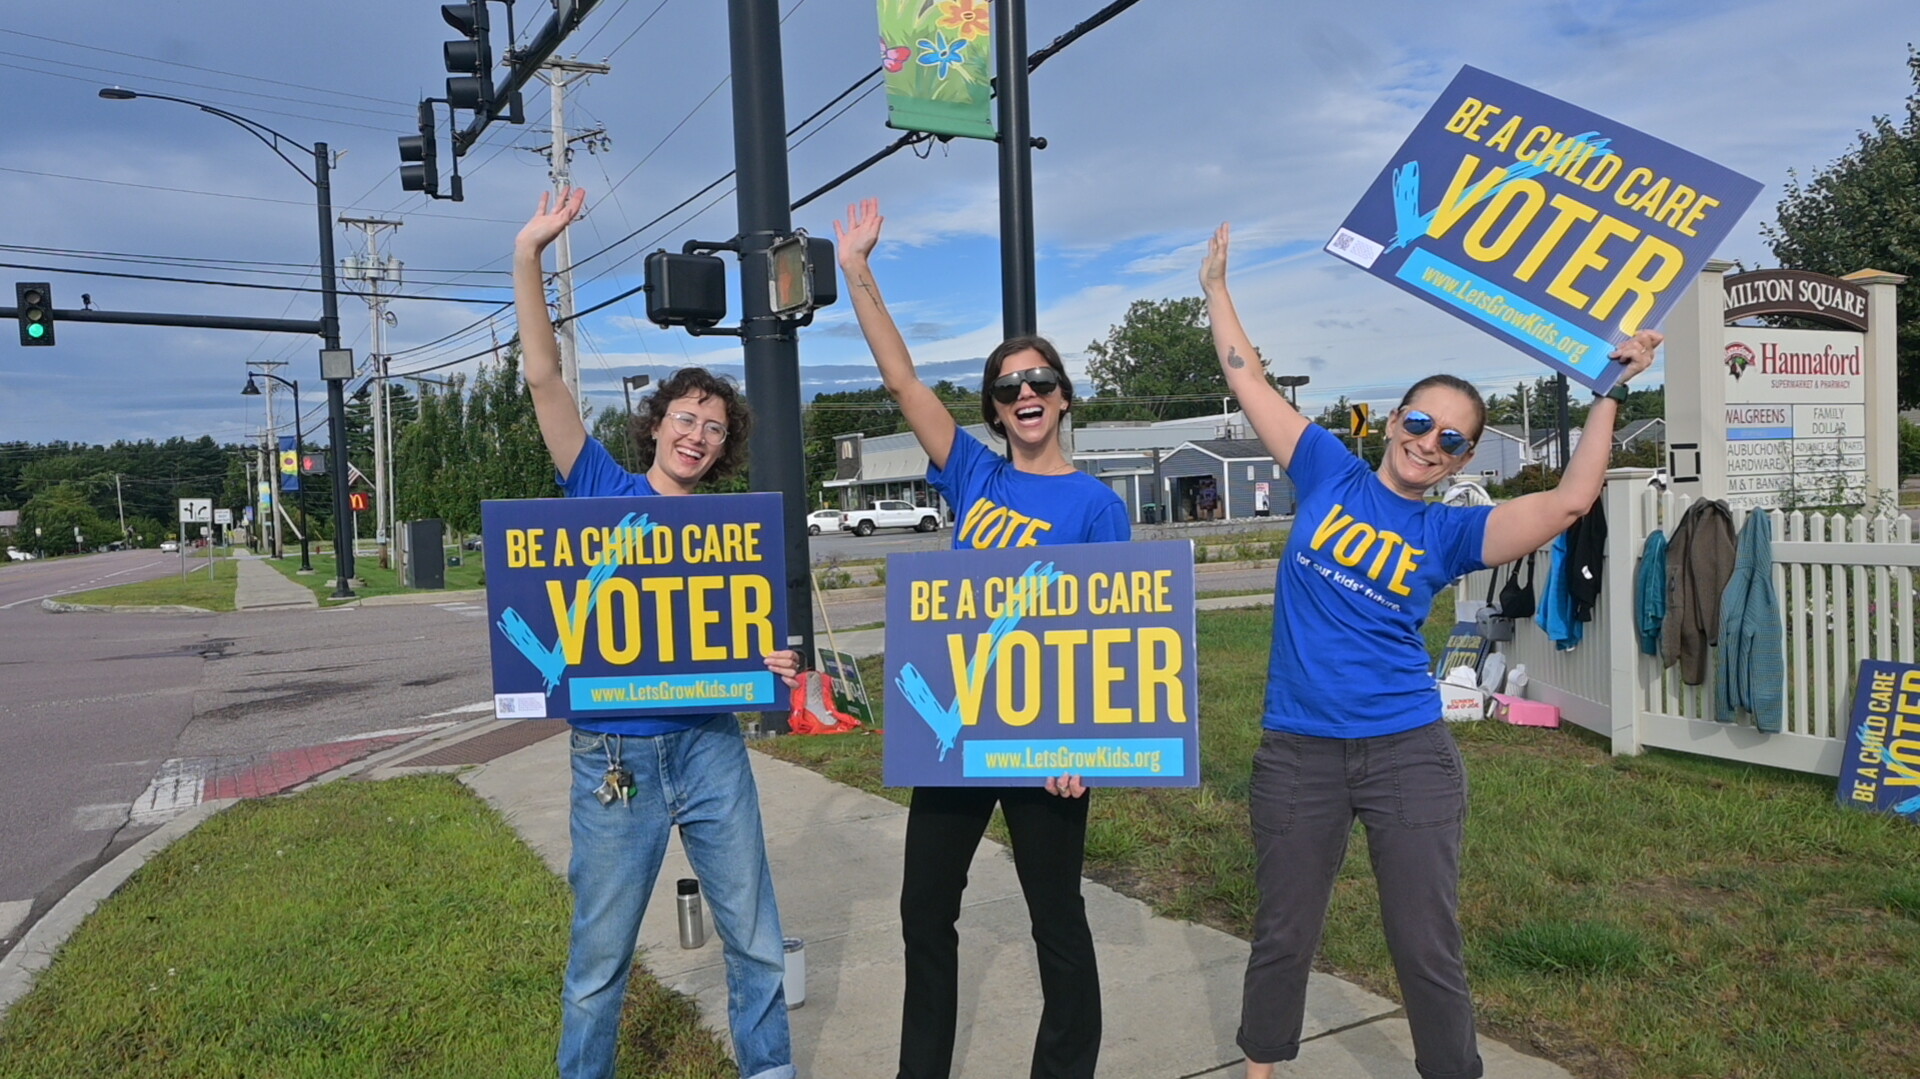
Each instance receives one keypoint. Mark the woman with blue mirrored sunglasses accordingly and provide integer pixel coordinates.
(1352, 726)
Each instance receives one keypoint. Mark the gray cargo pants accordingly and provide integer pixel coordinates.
(1410, 791)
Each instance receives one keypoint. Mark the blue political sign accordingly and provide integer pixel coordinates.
(1881, 769)
(1009, 665)
(1557, 230)
(624, 607)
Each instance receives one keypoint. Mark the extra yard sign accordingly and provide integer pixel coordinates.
(1555, 229)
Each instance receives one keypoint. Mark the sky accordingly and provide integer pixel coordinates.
(1175, 116)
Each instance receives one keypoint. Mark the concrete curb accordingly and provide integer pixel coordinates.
(38, 946)
(58, 607)
(402, 599)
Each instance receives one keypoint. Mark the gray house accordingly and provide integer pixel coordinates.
(1233, 475)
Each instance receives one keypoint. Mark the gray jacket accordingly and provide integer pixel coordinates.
(1700, 557)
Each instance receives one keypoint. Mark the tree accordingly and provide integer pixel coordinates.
(1161, 352)
(1863, 212)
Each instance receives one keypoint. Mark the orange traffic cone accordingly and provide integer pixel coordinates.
(813, 709)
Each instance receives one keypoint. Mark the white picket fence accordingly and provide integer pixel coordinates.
(1847, 592)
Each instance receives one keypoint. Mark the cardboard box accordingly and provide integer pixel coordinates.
(1461, 704)
(1524, 713)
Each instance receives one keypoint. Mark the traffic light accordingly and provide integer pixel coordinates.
(420, 170)
(34, 300)
(471, 60)
(313, 464)
(1358, 425)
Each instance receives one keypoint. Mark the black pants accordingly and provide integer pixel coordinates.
(1049, 836)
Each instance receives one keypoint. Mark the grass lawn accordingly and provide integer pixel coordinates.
(1650, 916)
(471, 573)
(196, 589)
(358, 929)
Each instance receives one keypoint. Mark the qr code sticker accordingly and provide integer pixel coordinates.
(520, 705)
(1355, 248)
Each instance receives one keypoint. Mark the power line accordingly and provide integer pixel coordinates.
(208, 70)
(222, 284)
(111, 73)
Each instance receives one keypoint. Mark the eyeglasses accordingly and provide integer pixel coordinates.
(1006, 388)
(687, 423)
(1417, 423)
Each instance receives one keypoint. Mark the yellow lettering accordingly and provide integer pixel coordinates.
(1406, 566)
(1352, 546)
(964, 608)
(1459, 199)
(1571, 210)
(1330, 526)
(1474, 243)
(1633, 279)
(701, 617)
(1164, 673)
(1105, 675)
(1503, 138)
(1463, 119)
(562, 548)
(1026, 677)
(662, 590)
(569, 620)
(516, 548)
(969, 679)
(1700, 207)
(752, 614)
(626, 618)
(1587, 257)
(1063, 642)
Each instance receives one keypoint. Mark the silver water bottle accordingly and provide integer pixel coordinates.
(693, 924)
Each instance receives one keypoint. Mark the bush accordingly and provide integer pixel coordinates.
(1909, 449)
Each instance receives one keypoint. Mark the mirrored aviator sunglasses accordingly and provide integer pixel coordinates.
(1452, 442)
(1006, 388)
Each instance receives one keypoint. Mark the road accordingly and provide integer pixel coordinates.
(112, 722)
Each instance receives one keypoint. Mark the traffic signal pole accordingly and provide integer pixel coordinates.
(1018, 307)
(772, 349)
(336, 396)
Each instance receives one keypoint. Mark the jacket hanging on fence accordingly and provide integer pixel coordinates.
(1699, 563)
(1752, 641)
(1650, 593)
(1555, 615)
(1586, 555)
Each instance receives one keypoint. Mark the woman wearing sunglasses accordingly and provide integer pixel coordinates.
(1352, 718)
(1031, 497)
(690, 772)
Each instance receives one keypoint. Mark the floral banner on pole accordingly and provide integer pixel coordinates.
(938, 60)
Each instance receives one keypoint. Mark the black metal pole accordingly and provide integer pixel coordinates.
(772, 351)
(300, 452)
(336, 397)
(1566, 438)
(1018, 306)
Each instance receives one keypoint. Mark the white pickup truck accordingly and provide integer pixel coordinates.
(891, 513)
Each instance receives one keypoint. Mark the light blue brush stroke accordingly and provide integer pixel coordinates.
(550, 660)
(1909, 807)
(945, 719)
(1410, 224)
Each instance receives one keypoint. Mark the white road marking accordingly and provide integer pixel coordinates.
(12, 913)
(465, 610)
(393, 731)
(96, 818)
(481, 706)
(176, 788)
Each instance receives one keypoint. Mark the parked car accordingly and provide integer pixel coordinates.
(169, 546)
(15, 554)
(825, 521)
(891, 513)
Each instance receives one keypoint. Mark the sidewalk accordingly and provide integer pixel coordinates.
(1171, 990)
(260, 587)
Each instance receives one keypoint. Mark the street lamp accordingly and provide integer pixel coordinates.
(628, 384)
(299, 447)
(1288, 384)
(322, 181)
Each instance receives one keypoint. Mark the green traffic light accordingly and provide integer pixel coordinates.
(37, 330)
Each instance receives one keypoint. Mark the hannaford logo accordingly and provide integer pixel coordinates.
(1739, 358)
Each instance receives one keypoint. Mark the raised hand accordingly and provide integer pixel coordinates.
(1637, 352)
(554, 215)
(857, 239)
(1213, 270)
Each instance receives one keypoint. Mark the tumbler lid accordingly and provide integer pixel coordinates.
(688, 886)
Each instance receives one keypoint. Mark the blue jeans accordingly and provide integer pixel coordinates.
(698, 779)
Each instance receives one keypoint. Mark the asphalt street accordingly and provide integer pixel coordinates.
(113, 722)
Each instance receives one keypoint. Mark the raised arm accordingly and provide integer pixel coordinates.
(1277, 422)
(556, 409)
(926, 414)
(1526, 523)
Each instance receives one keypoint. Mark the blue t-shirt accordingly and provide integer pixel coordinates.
(597, 475)
(1361, 569)
(996, 505)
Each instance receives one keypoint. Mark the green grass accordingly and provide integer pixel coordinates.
(1643, 917)
(359, 929)
(471, 573)
(194, 590)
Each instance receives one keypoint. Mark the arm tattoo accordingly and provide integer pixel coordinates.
(1233, 358)
(866, 285)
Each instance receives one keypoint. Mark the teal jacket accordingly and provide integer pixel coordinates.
(1650, 586)
(1752, 674)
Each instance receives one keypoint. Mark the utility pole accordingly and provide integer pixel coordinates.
(560, 74)
(1018, 307)
(123, 507)
(1526, 423)
(1566, 450)
(771, 346)
(374, 269)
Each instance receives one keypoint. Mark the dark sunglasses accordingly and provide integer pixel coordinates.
(1417, 423)
(1006, 388)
